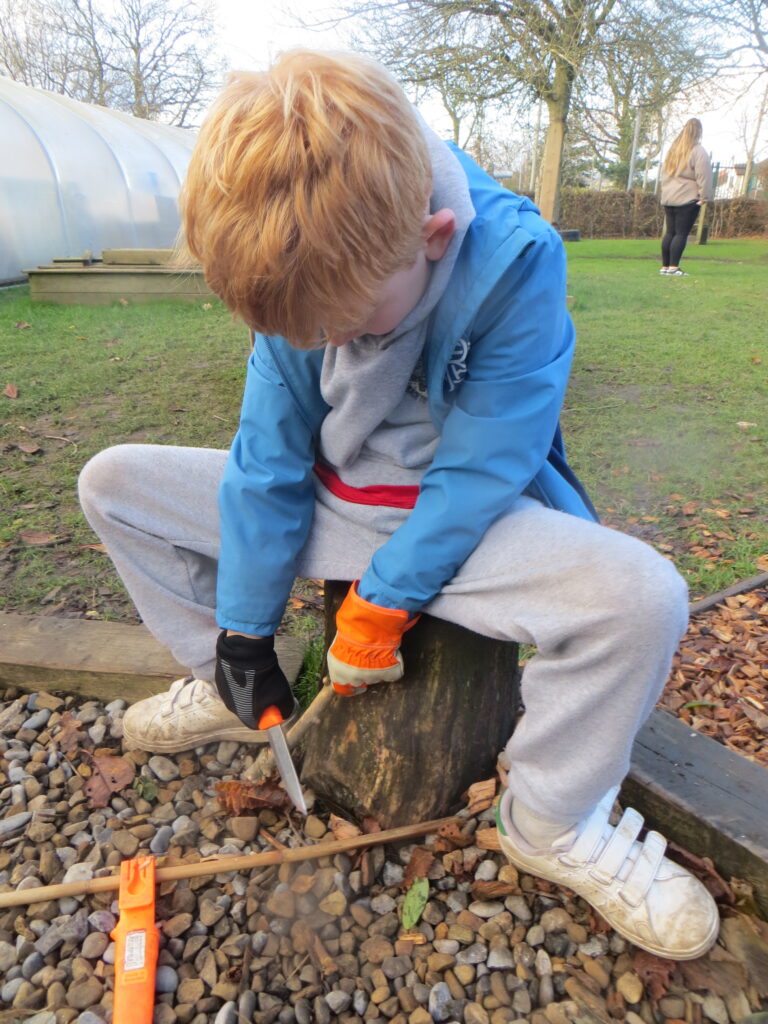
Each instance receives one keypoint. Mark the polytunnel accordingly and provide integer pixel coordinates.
(77, 177)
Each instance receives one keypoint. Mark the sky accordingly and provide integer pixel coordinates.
(253, 32)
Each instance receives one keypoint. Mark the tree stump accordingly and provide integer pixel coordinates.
(407, 751)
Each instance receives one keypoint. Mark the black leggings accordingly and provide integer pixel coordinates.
(680, 220)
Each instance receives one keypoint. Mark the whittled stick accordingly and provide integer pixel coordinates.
(217, 865)
(264, 765)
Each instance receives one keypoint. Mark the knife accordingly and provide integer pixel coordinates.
(272, 722)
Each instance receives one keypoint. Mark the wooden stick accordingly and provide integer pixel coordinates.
(217, 865)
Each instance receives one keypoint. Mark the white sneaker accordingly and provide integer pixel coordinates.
(644, 896)
(188, 715)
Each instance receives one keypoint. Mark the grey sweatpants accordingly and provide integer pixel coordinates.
(604, 610)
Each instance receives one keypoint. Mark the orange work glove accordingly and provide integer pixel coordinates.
(366, 648)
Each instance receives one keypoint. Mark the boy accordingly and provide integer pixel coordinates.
(399, 428)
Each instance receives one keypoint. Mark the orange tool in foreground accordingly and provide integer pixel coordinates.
(136, 943)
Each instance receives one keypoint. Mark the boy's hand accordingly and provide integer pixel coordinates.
(366, 648)
(249, 679)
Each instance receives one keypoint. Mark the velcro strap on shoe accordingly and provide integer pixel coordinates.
(644, 870)
(589, 837)
(618, 846)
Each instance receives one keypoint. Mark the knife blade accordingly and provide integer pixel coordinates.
(272, 722)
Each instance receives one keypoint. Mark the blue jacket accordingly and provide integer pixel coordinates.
(496, 414)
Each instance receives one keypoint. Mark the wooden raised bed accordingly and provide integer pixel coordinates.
(127, 275)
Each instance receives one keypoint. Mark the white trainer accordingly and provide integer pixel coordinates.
(644, 896)
(188, 715)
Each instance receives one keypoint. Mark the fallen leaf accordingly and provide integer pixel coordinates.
(22, 325)
(123, 302)
(762, 563)
(236, 796)
(747, 939)
(419, 864)
(70, 734)
(745, 425)
(110, 775)
(414, 903)
(11, 391)
(93, 547)
(30, 449)
(654, 973)
(38, 538)
(723, 978)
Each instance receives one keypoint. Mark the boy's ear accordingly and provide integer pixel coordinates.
(438, 232)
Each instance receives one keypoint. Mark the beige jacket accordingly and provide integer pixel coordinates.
(693, 183)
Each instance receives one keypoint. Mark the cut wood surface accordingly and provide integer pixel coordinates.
(103, 660)
(703, 797)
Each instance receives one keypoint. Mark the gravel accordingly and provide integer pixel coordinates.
(310, 943)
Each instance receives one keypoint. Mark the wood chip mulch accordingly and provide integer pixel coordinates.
(719, 679)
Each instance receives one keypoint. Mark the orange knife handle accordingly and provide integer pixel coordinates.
(271, 716)
(137, 942)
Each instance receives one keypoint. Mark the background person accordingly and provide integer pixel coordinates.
(686, 183)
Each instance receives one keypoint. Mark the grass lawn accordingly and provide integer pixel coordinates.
(665, 418)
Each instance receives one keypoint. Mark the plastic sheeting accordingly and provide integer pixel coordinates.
(77, 177)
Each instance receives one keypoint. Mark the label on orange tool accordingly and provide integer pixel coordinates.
(135, 951)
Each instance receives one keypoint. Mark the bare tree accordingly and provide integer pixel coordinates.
(151, 58)
(648, 56)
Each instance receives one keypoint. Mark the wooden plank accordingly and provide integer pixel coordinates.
(704, 797)
(105, 285)
(155, 257)
(98, 659)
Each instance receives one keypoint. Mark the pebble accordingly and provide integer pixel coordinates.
(494, 960)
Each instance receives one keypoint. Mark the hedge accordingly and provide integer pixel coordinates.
(637, 214)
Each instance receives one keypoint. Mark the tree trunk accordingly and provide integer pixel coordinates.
(407, 751)
(558, 102)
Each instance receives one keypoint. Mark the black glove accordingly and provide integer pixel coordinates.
(249, 679)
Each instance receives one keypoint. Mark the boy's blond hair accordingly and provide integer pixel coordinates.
(306, 190)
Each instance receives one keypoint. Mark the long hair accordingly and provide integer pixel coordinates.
(306, 190)
(680, 151)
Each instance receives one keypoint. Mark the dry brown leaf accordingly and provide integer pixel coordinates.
(110, 775)
(70, 734)
(724, 978)
(93, 547)
(419, 865)
(11, 391)
(236, 796)
(747, 939)
(30, 449)
(38, 538)
(22, 325)
(654, 973)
